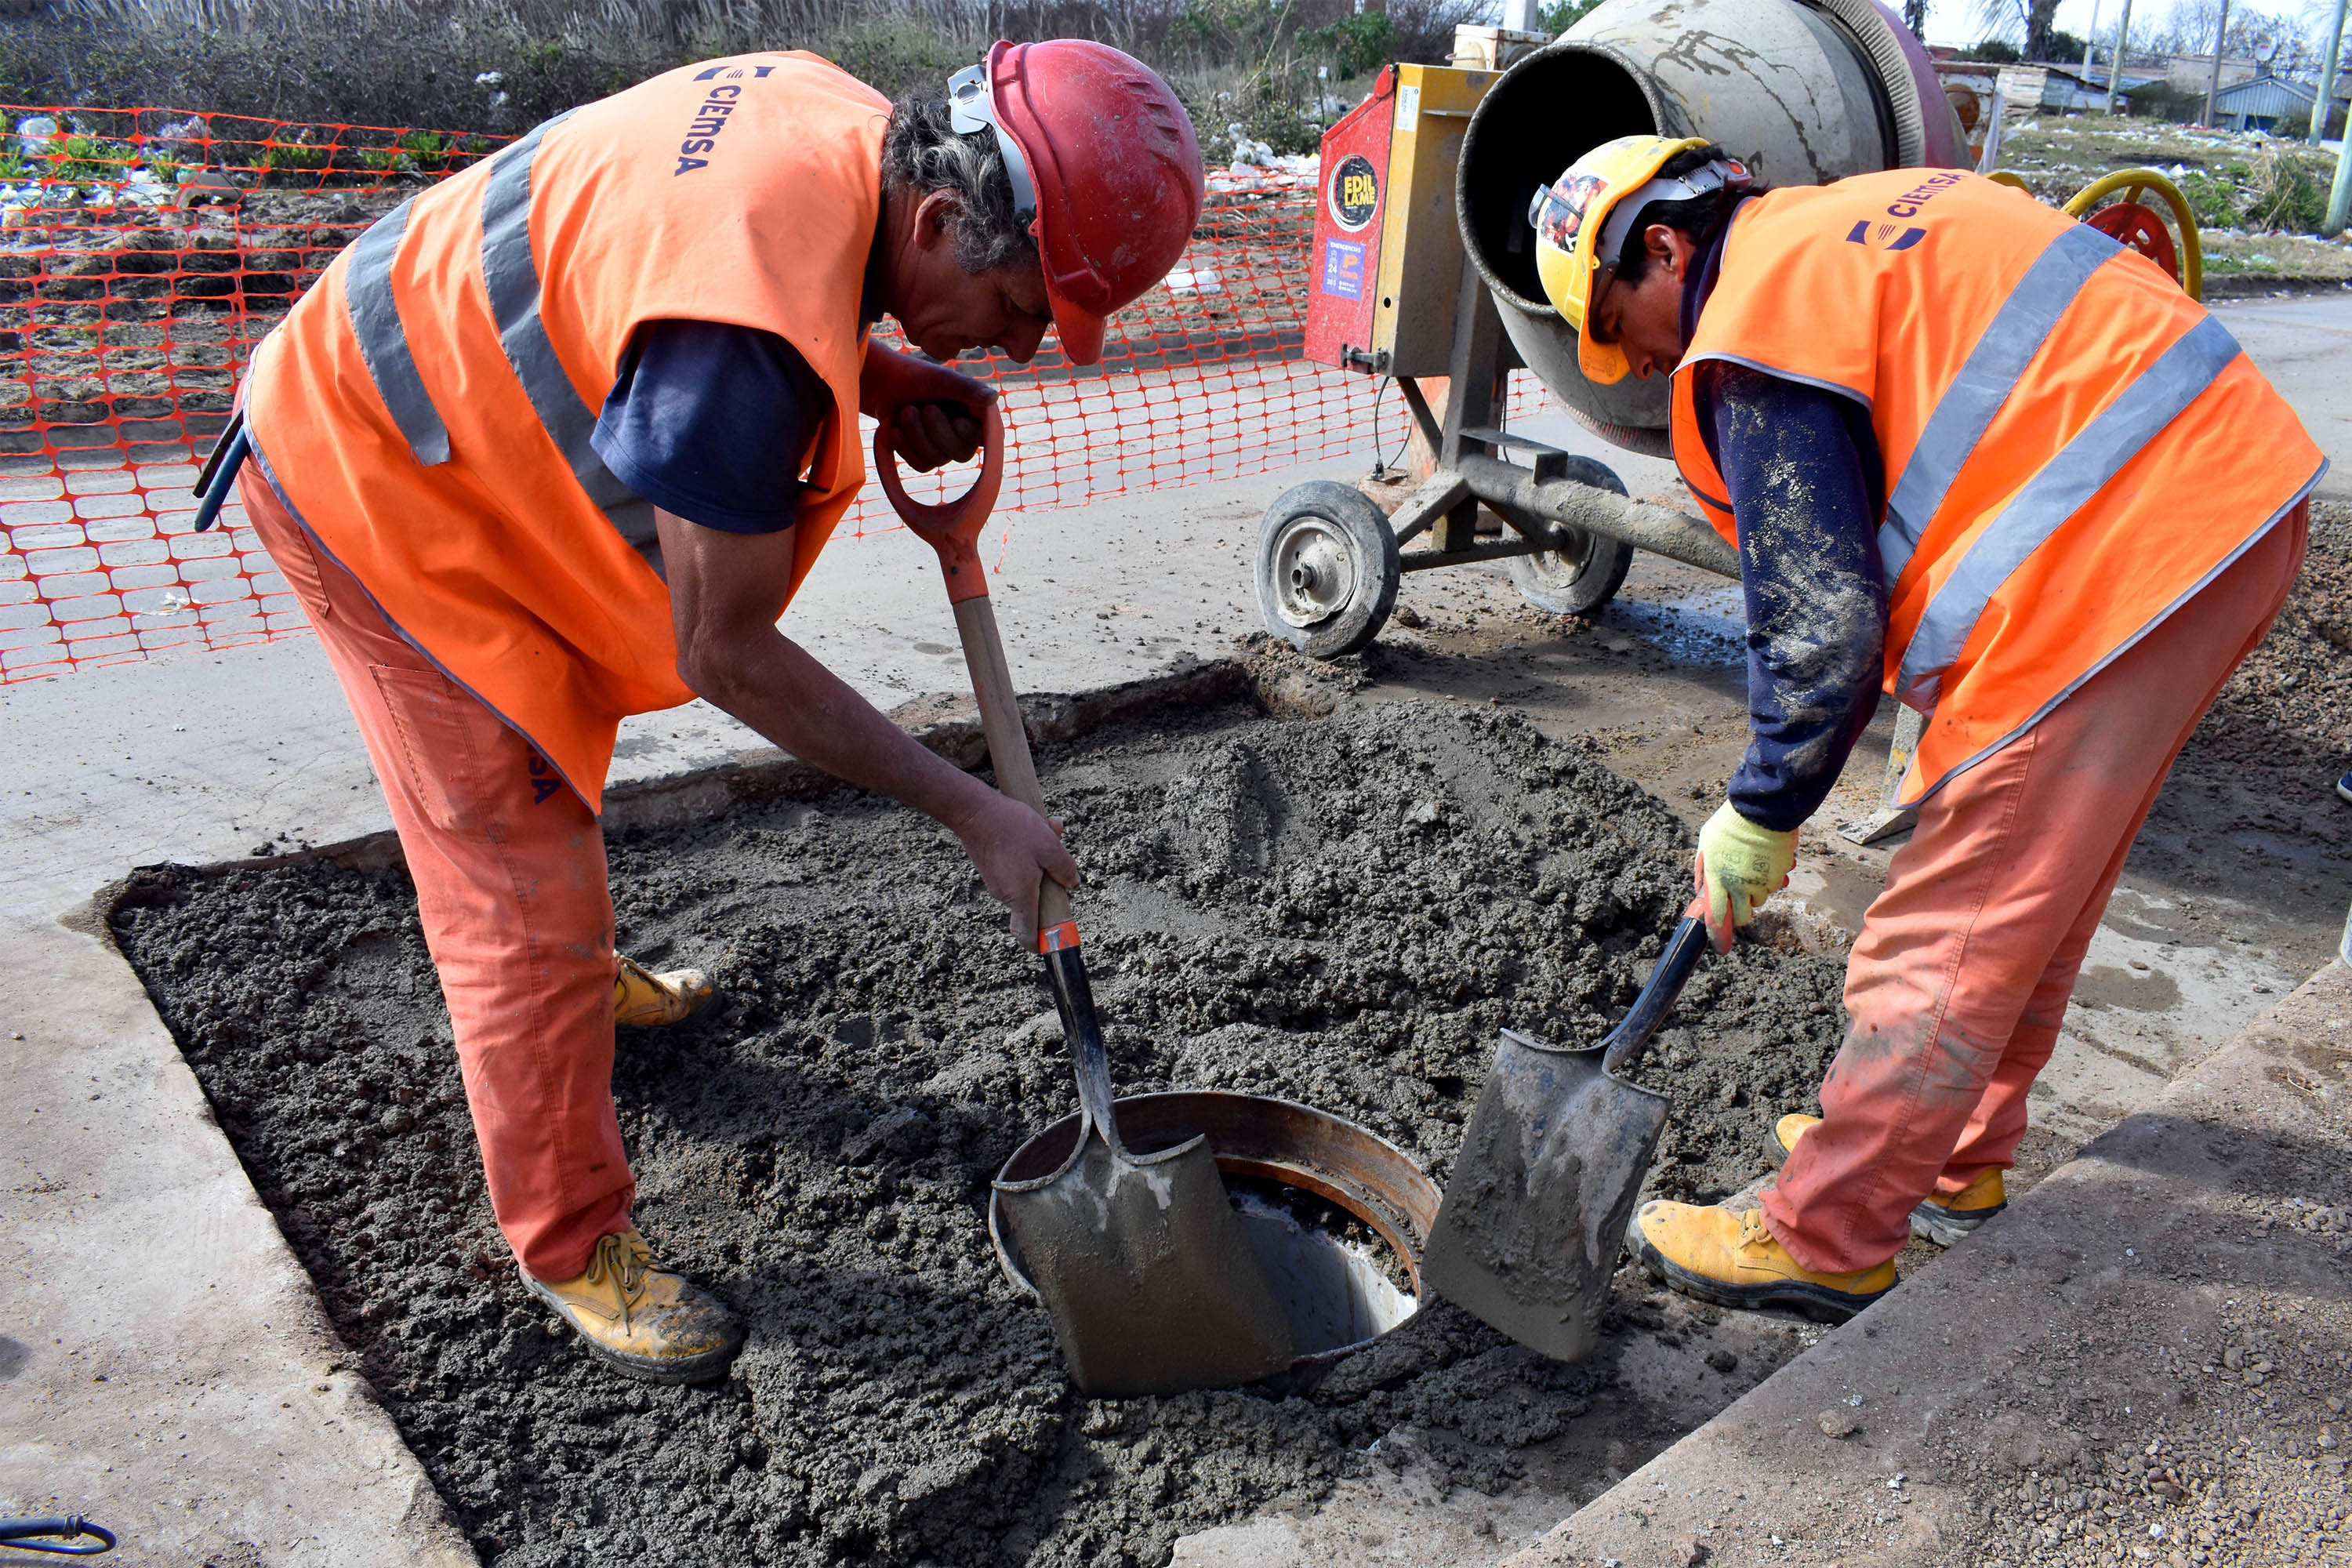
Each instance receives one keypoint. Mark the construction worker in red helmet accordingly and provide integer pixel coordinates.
(1981, 457)
(557, 440)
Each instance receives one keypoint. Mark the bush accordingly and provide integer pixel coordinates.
(1356, 46)
(2215, 202)
(407, 63)
(2286, 192)
(1559, 18)
(2064, 47)
(85, 160)
(2167, 100)
(1993, 51)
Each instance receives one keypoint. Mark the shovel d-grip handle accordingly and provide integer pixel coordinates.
(951, 528)
(1623, 1045)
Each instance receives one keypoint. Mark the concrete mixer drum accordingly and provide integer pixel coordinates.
(1801, 93)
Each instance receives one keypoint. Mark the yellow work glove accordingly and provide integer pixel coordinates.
(1739, 865)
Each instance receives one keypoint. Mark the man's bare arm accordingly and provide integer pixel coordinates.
(724, 593)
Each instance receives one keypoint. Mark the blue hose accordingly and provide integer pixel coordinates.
(220, 471)
(60, 1537)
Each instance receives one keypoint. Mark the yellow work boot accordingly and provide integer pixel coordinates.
(642, 997)
(648, 1323)
(1732, 1260)
(1940, 1219)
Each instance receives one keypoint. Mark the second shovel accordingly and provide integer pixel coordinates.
(1529, 1233)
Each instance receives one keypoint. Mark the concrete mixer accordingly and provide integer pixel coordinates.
(1423, 267)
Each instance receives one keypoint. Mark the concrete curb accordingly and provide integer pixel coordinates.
(2138, 1244)
(2263, 285)
(946, 723)
(170, 1373)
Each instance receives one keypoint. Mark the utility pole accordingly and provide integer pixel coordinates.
(2090, 38)
(2328, 75)
(2339, 196)
(2220, 41)
(2115, 66)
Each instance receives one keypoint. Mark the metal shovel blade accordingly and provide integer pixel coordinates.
(1554, 1153)
(1150, 1281)
(1528, 1236)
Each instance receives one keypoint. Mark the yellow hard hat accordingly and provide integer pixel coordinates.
(1575, 240)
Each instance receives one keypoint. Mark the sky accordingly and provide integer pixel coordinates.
(1954, 21)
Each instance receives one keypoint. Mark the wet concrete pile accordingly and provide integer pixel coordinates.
(1339, 911)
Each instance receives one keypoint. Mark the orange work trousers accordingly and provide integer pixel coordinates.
(509, 864)
(1959, 981)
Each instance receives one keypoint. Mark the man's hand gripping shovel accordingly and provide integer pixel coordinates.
(1527, 1236)
(1151, 1285)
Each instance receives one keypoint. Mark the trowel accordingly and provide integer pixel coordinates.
(1149, 1278)
(1527, 1238)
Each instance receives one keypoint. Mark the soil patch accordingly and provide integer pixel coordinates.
(1341, 911)
(2252, 809)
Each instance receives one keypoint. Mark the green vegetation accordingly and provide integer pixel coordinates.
(1559, 18)
(1275, 67)
(84, 159)
(1357, 46)
(2251, 197)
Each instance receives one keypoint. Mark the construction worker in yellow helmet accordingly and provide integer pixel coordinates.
(1950, 432)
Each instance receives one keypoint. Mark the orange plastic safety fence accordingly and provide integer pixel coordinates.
(145, 252)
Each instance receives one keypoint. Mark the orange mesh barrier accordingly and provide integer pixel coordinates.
(145, 252)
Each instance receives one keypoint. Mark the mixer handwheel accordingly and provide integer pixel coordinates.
(1326, 569)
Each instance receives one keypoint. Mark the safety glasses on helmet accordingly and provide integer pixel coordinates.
(1557, 211)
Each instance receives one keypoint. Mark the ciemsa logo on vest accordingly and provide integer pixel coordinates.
(1900, 237)
(710, 118)
(1886, 236)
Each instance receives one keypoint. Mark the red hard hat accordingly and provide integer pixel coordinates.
(1113, 172)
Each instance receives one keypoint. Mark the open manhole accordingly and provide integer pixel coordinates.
(1335, 1214)
(1337, 913)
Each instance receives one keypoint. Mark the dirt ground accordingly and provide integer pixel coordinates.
(1341, 911)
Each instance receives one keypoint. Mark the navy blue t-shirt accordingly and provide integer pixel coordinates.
(713, 422)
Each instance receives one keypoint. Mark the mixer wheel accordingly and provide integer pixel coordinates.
(1326, 569)
(1580, 579)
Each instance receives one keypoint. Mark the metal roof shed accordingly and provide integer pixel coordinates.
(2265, 103)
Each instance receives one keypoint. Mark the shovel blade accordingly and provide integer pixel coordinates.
(1151, 1281)
(1528, 1236)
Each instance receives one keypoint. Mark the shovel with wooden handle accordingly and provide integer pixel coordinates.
(1151, 1284)
(1528, 1235)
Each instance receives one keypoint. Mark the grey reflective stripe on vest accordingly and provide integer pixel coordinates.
(511, 277)
(376, 323)
(2063, 487)
(1993, 368)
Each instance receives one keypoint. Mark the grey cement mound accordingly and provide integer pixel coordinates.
(1340, 911)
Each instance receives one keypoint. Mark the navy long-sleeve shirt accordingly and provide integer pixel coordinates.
(1807, 486)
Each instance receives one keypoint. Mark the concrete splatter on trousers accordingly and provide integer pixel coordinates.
(1959, 980)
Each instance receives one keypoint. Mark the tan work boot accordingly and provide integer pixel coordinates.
(1941, 1217)
(643, 998)
(1733, 1260)
(648, 1323)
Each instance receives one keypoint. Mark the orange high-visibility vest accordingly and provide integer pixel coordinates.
(2072, 445)
(426, 410)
